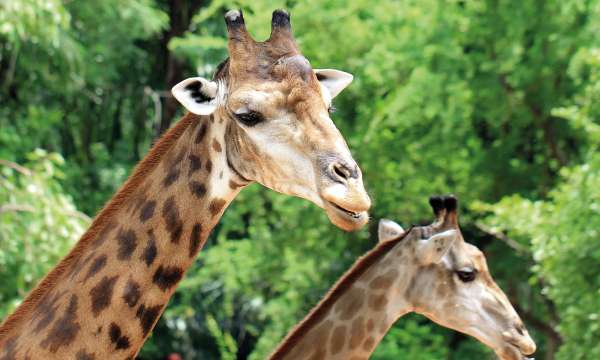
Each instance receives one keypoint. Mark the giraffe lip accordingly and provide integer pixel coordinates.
(518, 350)
(352, 214)
(345, 219)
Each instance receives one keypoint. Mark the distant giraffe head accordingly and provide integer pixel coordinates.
(278, 129)
(452, 285)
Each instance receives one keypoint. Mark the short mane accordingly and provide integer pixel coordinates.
(343, 284)
(140, 173)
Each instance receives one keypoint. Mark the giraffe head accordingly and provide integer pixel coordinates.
(276, 112)
(452, 285)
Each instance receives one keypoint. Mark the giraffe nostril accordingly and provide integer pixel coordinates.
(520, 329)
(341, 172)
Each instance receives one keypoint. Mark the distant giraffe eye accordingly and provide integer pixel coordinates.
(250, 118)
(332, 109)
(466, 274)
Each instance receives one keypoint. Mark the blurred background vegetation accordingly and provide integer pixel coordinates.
(495, 101)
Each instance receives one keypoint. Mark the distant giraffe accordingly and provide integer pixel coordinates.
(264, 119)
(430, 270)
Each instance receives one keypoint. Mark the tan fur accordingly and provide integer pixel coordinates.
(141, 171)
(394, 279)
(103, 299)
(333, 296)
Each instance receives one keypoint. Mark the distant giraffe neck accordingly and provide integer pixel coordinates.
(105, 297)
(359, 310)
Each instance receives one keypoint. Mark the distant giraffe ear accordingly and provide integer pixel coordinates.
(333, 81)
(388, 230)
(197, 95)
(432, 250)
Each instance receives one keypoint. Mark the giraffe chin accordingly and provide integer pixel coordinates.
(345, 219)
(512, 352)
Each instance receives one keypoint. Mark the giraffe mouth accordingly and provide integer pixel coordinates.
(346, 219)
(352, 214)
(515, 353)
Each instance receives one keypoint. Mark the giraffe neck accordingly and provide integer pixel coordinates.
(359, 310)
(105, 297)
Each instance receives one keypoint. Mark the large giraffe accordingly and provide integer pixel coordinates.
(430, 270)
(264, 119)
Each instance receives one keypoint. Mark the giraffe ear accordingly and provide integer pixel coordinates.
(432, 250)
(388, 230)
(197, 95)
(332, 82)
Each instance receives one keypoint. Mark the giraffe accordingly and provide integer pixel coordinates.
(263, 118)
(429, 270)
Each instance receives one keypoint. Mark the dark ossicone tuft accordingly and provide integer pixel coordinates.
(281, 18)
(234, 18)
(437, 204)
(450, 203)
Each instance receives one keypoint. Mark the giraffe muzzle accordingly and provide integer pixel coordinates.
(346, 202)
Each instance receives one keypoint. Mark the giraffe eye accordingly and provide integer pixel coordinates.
(250, 118)
(466, 274)
(332, 109)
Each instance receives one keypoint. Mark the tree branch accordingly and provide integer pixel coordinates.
(18, 168)
(522, 250)
(15, 208)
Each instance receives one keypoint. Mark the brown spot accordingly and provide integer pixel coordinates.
(120, 341)
(350, 304)
(103, 235)
(171, 177)
(411, 290)
(197, 188)
(65, 329)
(216, 145)
(370, 325)
(173, 223)
(200, 134)
(79, 265)
(148, 317)
(46, 311)
(319, 354)
(127, 244)
(208, 166)
(101, 294)
(216, 206)
(131, 293)
(384, 326)
(338, 338)
(378, 302)
(83, 355)
(96, 266)
(357, 332)
(195, 164)
(195, 238)
(369, 344)
(358, 358)
(318, 341)
(147, 211)
(10, 349)
(167, 277)
(150, 251)
(233, 185)
(382, 282)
